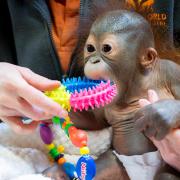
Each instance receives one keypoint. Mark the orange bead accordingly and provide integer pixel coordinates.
(64, 125)
(61, 161)
(78, 137)
(72, 129)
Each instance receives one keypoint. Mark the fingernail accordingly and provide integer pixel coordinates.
(26, 120)
(57, 82)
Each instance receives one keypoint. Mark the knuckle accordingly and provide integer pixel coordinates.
(27, 70)
(20, 88)
(11, 87)
(8, 85)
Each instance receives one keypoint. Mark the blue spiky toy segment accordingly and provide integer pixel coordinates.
(77, 84)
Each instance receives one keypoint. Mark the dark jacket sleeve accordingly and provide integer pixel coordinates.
(7, 48)
(177, 23)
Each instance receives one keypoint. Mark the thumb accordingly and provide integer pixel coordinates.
(39, 82)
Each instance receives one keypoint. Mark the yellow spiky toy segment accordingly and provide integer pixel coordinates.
(61, 96)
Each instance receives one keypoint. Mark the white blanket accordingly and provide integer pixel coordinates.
(142, 167)
(25, 157)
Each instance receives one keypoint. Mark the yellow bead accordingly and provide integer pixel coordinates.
(61, 161)
(61, 149)
(50, 146)
(84, 150)
(67, 119)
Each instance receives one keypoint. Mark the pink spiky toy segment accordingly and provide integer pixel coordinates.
(93, 97)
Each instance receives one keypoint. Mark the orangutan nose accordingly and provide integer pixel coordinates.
(94, 60)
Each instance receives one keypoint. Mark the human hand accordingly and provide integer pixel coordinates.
(21, 96)
(169, 146)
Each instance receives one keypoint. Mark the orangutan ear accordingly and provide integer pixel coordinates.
(148, 58)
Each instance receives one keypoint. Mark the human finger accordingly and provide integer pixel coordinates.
(18, 126)
(37, 81)
(5, 111)
(38, 99)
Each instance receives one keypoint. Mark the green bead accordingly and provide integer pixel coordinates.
(66, 129)
(56, 120)
(54, 152)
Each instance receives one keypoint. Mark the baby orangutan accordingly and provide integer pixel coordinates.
(120, 47)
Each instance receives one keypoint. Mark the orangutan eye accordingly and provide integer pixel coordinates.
(106, 48)
(90, 48)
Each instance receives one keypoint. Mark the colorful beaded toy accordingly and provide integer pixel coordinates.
(79, 94)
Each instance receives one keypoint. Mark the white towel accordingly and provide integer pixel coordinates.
(24, 157)
(141, 167)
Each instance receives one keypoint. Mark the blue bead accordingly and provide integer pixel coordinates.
(86, 168)
(70, 170)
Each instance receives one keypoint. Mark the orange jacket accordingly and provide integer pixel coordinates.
(65, 24)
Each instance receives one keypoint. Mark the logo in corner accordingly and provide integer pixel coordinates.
(145, 8)
(140, 5)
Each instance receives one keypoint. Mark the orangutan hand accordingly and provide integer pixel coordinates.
(159, 118)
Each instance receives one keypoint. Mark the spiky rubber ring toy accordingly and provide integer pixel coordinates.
(80, 94)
